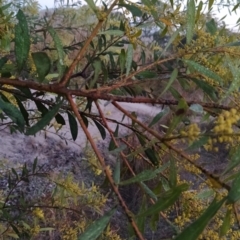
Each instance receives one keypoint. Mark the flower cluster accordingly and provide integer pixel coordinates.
(192, 132)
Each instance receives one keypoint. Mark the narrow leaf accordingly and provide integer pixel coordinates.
(42, 63)
(166, 200)
(173, 77)
(101, 129)
(136, 12)
(60, 51)
(34, 165)
(45, 120)
(208, 89)
(22, 40)
(179, 115)
(148, 191)
(199, 143)
(204, 71)
(113, 32)
(3, 60)
(145, 175)
(122, 60)
(190, 20)
(129, 59)
(152, 156)
(158, 117)
(60, 120)
(226, 223)
(117, 172)
(92, 5)
(210, 3)
(212, 27)
(12, 112)
(73, 125)
(234, 193)
(193, 231)
(23, 111)
(97, 227)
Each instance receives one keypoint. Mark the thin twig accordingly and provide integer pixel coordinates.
(106, 170)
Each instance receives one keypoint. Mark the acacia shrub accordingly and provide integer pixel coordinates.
(105, 62)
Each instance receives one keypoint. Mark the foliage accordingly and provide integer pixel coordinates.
(65, 62)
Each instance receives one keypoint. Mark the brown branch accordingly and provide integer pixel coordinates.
(100, 94)
(83, 50)
(106, 170)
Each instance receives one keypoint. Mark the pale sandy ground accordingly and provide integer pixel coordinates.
(48, 146)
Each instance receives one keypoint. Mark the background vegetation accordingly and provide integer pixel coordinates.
(65, 61)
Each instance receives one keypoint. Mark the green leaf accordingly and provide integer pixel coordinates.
(45, 120)
(212, 27)
(200, 5)
(204, 71)
(97, 227)
(158, 117)
(234, 161)
(41, 108)
(12, 112)
(205, 194)
(22, 40)
(97, 65)
(193, 231)
(122, 60)
(129, 59)
(117, 172)
(173, 77)
(166, 200)
(148, 191)
(101, 129)
(171, 40)
(136, 12)
(150, 153)
(23, 110)
(152, 156)
(146, 74)
(208, 89)
(234, 193)
(73, 125)
(145, 175)
(175, 93)
(92, 5)
(233, 44)
(85, 120)
(113, 32)
(235, 7)
(3, 60)
(112, 145)
(199, 143)
(60, 120)
(42, 63)
(226, 223)
(119, 149)
(191, 9)
(210, 3)
(60, 51)
(179, 115)
(34, 165)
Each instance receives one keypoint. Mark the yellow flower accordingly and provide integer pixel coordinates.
(38, 213)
